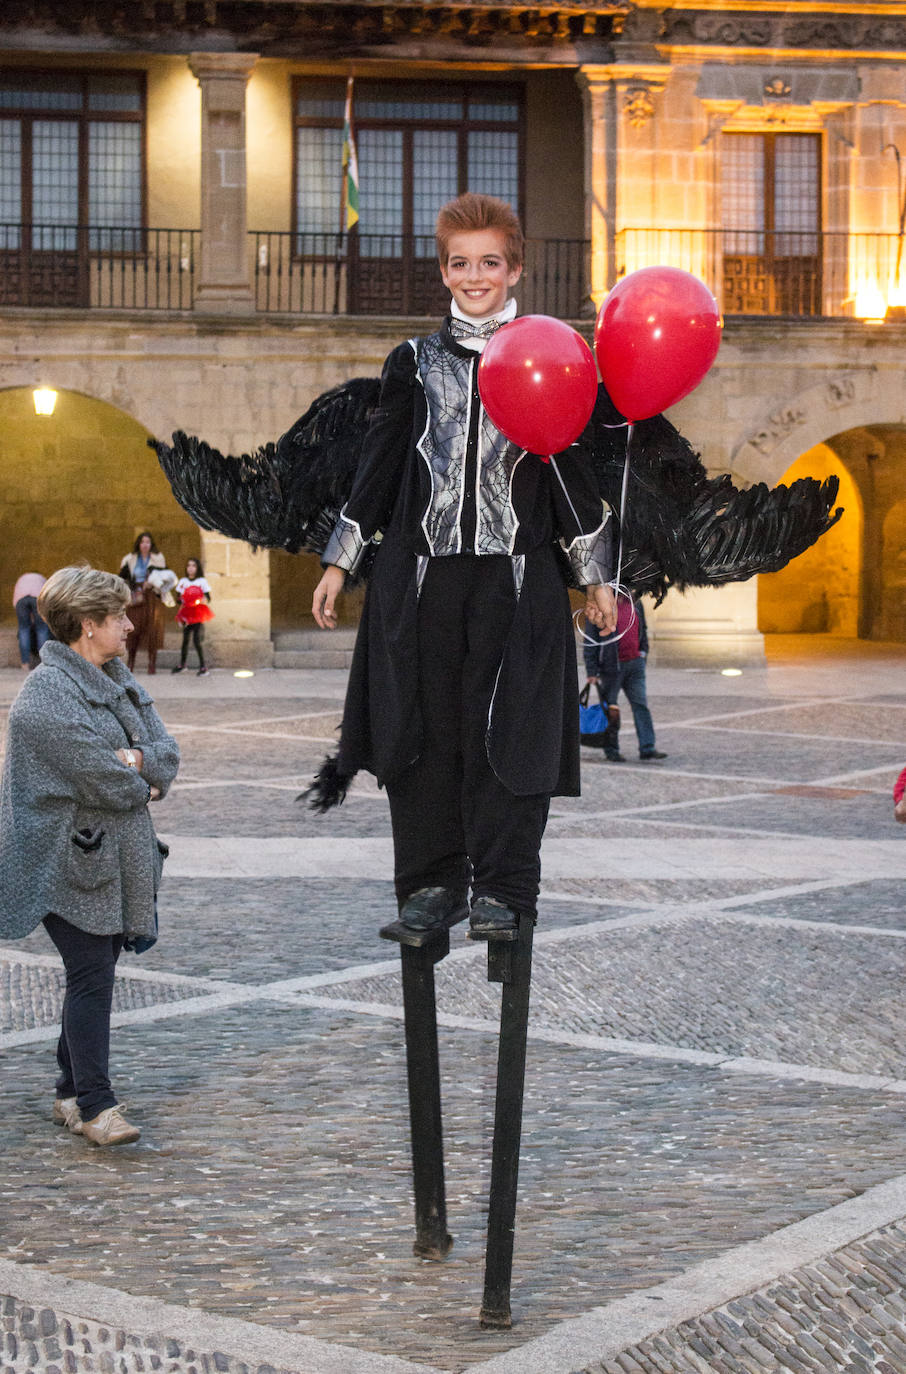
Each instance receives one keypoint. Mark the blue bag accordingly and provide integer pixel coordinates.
(598, 724)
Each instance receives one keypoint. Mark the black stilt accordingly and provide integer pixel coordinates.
(509, 963)
(420, 950)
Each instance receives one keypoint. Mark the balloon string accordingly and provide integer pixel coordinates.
(618, 589)
(624, 492)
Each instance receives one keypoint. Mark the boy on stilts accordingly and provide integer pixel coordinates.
(462, 697)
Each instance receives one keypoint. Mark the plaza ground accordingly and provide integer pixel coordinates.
(713, 1172)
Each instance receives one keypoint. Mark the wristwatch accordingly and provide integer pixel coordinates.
(130, 759)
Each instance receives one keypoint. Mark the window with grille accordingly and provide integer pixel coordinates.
(71, 157)
(771, 184)
(771, 222)
(418, 145)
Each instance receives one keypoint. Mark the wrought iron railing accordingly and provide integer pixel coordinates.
(799, 274)
(89, 266)
(754, 273)
(396, 274)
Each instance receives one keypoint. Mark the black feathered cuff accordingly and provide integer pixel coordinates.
(328, 787)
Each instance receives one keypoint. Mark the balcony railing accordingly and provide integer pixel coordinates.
(754, 273)
(798, 274)
(396, 274)
(89, 266)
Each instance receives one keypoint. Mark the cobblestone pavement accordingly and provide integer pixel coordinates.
(712, 1173)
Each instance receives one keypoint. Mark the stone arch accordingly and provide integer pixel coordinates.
(892, 623)
(79, 485)
(819, 592)
(846, 400)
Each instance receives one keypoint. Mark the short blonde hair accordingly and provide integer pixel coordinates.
(471, 211)
(72, 595)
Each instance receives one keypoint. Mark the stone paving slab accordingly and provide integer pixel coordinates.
(272, 1181)
(742, 753)
(878, 902)
(841, 721)
(32, 995)
(858, 815)
(773, 857)
(761, 991)
(271, 1187)
(847, 1312)
(266, 811)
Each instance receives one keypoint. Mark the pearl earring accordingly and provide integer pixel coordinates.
(91, 634)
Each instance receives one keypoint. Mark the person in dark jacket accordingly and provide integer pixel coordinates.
(617, 663)
(462, 696)
(86, 752)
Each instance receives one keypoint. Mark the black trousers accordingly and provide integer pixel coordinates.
(454, 822)
(83, 1050)
(196, 634)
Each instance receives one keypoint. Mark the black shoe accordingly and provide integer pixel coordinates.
(180, 668)
(652, 754)
(611, 757)
(434, 906)
(490, 917)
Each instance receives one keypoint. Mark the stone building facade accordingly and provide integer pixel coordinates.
(172, 254)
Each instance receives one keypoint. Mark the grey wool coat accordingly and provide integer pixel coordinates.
(76, 837)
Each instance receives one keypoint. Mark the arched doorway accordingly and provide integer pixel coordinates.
(78, 485)
(818, 593)
(853, 581)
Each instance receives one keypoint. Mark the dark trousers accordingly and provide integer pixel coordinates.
(630, 676)
(453, 820)
(31, 629)
(83, 1050)
(196, 634)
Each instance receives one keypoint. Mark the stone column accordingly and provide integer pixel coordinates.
(708, 627)
(224, 287)
(240, 633)
(600, 127)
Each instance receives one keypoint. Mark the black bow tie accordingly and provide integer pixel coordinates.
(464, 329)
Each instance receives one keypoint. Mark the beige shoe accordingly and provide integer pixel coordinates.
(110, 1127)
(66, 1113)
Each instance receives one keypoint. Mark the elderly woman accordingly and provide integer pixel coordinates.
(147, 611)
(86, 752)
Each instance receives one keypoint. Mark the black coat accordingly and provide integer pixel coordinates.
(533, 743)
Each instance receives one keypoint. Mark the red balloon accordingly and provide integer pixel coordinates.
(657, 334)
(538, 382)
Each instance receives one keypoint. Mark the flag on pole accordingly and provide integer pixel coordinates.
(350, 166)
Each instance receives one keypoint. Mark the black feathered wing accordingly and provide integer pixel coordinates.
(288, 494)
(683, 528)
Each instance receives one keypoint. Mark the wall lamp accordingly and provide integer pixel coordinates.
(45, 399)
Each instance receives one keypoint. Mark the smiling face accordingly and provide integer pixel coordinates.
(476, 273)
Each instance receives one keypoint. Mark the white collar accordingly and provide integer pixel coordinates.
(504, 316)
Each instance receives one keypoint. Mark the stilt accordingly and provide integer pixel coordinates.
(509, 963)
(420, 950)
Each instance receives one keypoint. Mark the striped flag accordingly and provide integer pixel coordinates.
(350, 166)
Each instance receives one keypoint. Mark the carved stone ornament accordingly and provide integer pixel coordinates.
(841, 391)
(784, 30)
(638, 105)
(777, 89)
(778, 427)
(327, 24)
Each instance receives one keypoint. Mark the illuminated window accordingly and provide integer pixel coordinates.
(771, 223)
